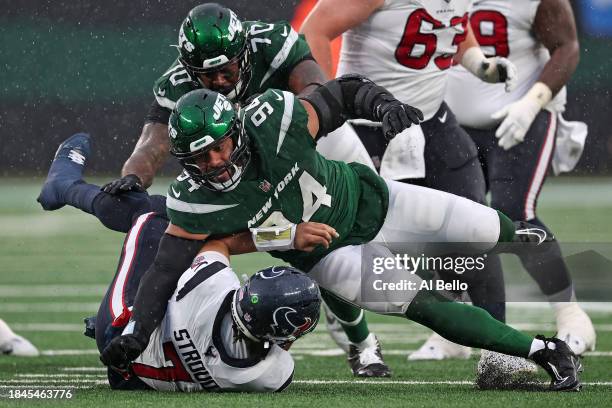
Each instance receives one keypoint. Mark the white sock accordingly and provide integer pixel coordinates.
(369, 341)
(537, 345)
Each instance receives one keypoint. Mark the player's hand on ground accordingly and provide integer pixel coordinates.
(121, 351)
(499, 69)
(309, 235)
(131, 182)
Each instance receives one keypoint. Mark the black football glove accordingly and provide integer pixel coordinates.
(397, 116)
(121, 351)
(131, 182)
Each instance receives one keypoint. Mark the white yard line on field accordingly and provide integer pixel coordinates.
(18, 291)
(50, 307)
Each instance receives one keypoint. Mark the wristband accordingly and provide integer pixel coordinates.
(276, 238)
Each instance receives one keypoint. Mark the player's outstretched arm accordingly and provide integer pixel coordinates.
(354, 96)
(324, 23)
(148, 157)
(175, 254)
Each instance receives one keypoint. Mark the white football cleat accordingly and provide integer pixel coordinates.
(438, 348)
(13, 344)
(575, 327)
(501, 371)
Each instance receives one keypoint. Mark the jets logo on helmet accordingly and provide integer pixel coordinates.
(184, 42)
(221, 104)
(235, 26)
(172, 131)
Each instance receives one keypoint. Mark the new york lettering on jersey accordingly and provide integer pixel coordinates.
(275, 50)
(411, 39)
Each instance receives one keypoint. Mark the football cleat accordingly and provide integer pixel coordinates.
(13, 344)
(575, 328)
(438, 348)
(367, 361)
(560, 363)
(501, 371)
(335, 330)
(90, 327)
(66, 169)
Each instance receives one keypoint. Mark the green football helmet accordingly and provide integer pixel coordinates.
(201, 121)
(212, 37)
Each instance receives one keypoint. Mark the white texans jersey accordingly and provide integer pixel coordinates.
(407, 47)
(504, 29)
(194, 349)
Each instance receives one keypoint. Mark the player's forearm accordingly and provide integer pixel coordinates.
(238, 244)
(150, 153)
(559, 69)
(321, 51)
(174, 256)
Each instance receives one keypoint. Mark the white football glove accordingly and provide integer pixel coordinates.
(492, 70)
(518, 116)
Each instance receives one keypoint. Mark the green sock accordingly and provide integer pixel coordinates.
(351, 318)
(467, 325)
(506, 228)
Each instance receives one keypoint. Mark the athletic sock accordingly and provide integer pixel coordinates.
(467, 325)
(82, 196)
(506, 228)
(351, 318)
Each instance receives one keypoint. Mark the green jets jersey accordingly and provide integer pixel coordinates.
(286, 180)
(275, 50)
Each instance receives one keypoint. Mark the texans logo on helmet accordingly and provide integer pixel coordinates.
(283, 324)
(271, 273)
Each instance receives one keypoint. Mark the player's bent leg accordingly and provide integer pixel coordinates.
(343, 144)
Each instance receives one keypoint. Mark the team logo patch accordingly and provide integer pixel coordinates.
(265, 186)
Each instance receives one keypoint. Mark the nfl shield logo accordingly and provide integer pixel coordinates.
(265, 186)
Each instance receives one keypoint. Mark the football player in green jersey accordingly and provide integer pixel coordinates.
(254, 175)
(218, 51)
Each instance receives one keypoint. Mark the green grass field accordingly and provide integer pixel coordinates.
(55, 267)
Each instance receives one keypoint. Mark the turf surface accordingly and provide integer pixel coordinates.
(54, 269)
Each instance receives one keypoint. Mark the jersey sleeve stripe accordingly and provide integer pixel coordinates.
(165, 102)
(281, 56)
(286, 121)
(178, 205)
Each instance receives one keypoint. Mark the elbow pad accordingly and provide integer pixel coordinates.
(347, 97)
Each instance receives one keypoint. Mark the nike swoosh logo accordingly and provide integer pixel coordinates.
(278, 96)
(442, 118)
(177, 194)
(284, 33)
(556, 373)
(540, 233)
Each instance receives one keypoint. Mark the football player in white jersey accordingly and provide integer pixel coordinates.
(407, 47)
(516, 132)
(216, 335)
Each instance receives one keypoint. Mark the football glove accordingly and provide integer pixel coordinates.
(121, 351)
(131, 182)
(492, 70)
(516, 118)
(397, 116)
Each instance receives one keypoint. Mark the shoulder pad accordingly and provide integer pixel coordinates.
(173, 84)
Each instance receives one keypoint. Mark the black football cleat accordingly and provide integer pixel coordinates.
(368, 362)
(90, 327)
(560, 363)
(66, 169)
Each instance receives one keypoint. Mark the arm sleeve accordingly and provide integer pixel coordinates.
(174, 256)
(157, 113)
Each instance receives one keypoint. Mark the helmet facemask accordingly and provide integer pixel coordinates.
(235, 166)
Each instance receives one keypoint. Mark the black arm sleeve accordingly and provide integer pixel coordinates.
(174, 256)
(347, 97)
(157, 114)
